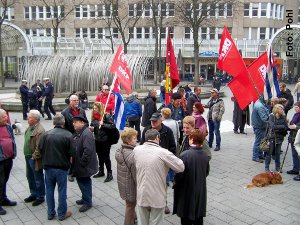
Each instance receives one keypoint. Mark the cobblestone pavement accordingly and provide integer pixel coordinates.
(228, 201)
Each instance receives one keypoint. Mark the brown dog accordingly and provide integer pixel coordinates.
(265, 179)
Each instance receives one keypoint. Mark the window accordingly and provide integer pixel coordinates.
(41, 12)
(48, 32)
(84, 32)
(254, 33)
(204, 9)
(212, 33)
(48, 12)
(171, 9)
(26, 12)
(155, 9)
(115, 32)
(138, 32)
(187, 33)
(62, 11)
(27, 31)
(107, 10)
(188, 9)
(100, 33)
(229, 9)
(246, 9)
(93, 32)
(12, 13)
(77, 11)
(62, 32)
(262, 33)
(203, 33)
(33, 12)
(254, 10)
(221, 9)
(34, 32)
(147, 10)
(139, 9)
(163, 32)
(278, 12)
(84, 11)
(220, 31)
(77, 32)
(212, 11)
(131, 10)
(147, 32)
(100, 11)
(163, 8)
(40, 32)
(131, 32)
(271, 10)
(246, 32)
(55, 12)
(92, 11)
(281, 12)
(263, 12)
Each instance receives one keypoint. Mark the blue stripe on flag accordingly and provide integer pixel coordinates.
(120, 114)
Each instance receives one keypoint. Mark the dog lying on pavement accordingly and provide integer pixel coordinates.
(265, 179)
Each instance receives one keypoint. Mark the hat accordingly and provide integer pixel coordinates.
(176, 96)
(24, 81)
(214, 90)
(80, 118)
(46, 78)
(297, 104)
(155, 116)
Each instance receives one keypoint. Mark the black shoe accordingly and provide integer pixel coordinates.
(262, 157)
(48, 119)
(109, 177)
(293, 172)
(99, 174)
(2, 211)
(79, 202)
(209, 145)
(37, 202)
(236, 132)
(243, 132)
(51, 217)
(8, 202)
(297, 178)
(217, 148)
(29, 199)
(84, 208)
(258, 160)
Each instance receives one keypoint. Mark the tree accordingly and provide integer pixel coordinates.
(5, 5)
(202, 13)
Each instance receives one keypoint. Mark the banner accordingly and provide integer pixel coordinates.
(242, 95)
(171, 60)
(230, 60)
(119, 66)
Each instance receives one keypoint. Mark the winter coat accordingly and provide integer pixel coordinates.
(166, 140)
(149, 109)
(239, 114)
(200, 122)
(101, 135)
(260, 115)
(133, 108)
(49, 91)
(111, 102)
(295, 120)
(126, 172)
(174, 127)
(24, 93)
(176, 116)
(216, 109)
(34, 144)
(190, 193)
(67, 113)
(11, 133)
(191, 101)
(85, 160)
(277, 128)
(290, 100)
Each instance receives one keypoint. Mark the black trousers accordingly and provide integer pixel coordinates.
(48, 107)
(5, 168)
(136, 124)
(185, 221)
(103, 152)
(25, 109)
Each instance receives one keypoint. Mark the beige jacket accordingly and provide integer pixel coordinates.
(152, 165)
(297, 88)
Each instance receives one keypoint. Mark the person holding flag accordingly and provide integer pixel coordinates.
(104, 97)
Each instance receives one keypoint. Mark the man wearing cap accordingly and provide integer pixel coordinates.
(24, 98)
(152, 165)
(85, 161)
(39, 88)
(48, 95)
(214, 116)
(103, 98)
(195, 97)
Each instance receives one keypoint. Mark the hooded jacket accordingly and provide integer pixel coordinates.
(149, 109)
(133, 108)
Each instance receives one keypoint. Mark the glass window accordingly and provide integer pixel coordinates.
(212, 11)
(26, 12)
(40, 32)
(171, 31)
(262, 33)
(221, 9)
(55, 11)
(84, 11)
(271, 10)
(155, 9)
(33, 12)
(299, 15)
(100, 33)
(204, 9)
(254, 10)
(115, 32)
(84, 32)
(153, 32)
(77, 32)
(48, 32)
(27, 31)
(147, 10)
(163, 9)
(93, 32)
(171, 9)
(131, 32)
(138, 32)
(100, 11)
(147, 32)
(48, 12)
(187, 33)
(163, 32)
(203, 33)
(246, 32)
(246, 9)
(12, 13)
(254, 33)
(107, 10)
(62, 11)
(188, 9)
(131, 10)
(139, 9)
(77, 11)
(92, 11)
(212, 33)
(229, 9)
(62, 32)
(41, 12)
(34, 32)
(263, 12)
(220, 31)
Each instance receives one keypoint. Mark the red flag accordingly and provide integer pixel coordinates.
(116, 87)
(257, 70)
(170, 58)
(242, 95)
(230, 59)
(119, 66)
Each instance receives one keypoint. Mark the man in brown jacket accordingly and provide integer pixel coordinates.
(34, 169)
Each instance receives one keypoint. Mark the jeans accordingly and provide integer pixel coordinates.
(136, 124)
(48, 107)
(5, 168)
(296, 159)
(52, 177)
(259, 134)
(170, 176)
(35, 179)
(274, 147)
(298, 96)
(214, 127)
(85, 186)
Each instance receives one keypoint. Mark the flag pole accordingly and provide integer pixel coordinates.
(168, 86)
(110, 90)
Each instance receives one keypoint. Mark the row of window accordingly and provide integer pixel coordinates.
(45, 32)
(44, 12)
(206, 9)
(99, 33)
(93, 11)
(147, 10)
(259, 33)
(10, 13)
(269, 10)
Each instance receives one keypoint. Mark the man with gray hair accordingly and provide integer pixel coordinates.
(152, 165)
(149, 107)
(133, 109)
(56, 150)
(33, 159)
(104, 97)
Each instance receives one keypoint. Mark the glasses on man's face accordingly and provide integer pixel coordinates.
(105, 89)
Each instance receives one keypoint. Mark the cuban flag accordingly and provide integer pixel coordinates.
(271, 82)
(120, 114)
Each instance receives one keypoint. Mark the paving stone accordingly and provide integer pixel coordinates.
(103, 220)
(86, 220)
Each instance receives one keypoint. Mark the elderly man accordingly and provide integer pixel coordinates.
(149, 107)
(8, 152)
(48, 94)
(152, 165)
(103, 98)
(33, 159)
(24, 98)
(55, 147)
(85, 163)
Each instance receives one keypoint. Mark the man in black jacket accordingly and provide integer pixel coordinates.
(286, 93)
(149, 107)
(56, 151)
(48, 94)
(192, 99)
(24, 98)
(85, 163)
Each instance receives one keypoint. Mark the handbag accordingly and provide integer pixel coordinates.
(265, 144)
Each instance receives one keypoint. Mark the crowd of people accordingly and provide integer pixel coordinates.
(173, 149)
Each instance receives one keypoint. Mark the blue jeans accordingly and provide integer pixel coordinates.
(214, 127)
(52, 177)
(259, 134)
(170, 176)
(85, 186)
(276, 148)
(298, 96)
(35, 179)
(296, 159)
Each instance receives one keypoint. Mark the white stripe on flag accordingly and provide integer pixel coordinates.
(120, 114)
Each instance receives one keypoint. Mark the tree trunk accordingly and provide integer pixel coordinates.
(155, 58)
(196, 55)
(55, 30)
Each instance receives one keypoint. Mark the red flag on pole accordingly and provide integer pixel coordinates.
(230, 59)
(170, 58)
(116, 87)
(119, 66)
(242, 95)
